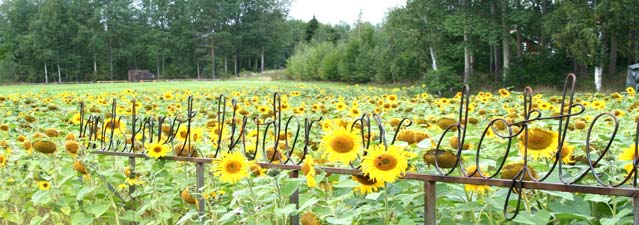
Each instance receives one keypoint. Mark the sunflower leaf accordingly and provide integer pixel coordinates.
(187, 217)
(287, 210)
(308, 203)
(84, 191)
(98, 210)
(406, 221)
(373, 196)
(41, 197)
(290, 186)
(345, 220)
(597, 198)
(79, 218)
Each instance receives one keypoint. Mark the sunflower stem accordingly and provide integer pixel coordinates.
(253, 198)
(115, 211)
(386, 210)
(526, 201)
(469, 198)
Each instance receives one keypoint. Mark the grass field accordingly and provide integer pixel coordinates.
(92, 88)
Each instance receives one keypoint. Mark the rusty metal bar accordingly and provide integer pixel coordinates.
(575, 188)
(132, 174)
(430, 203)
(635, 209)
(199, 170)
(140, 155)
(295, 199)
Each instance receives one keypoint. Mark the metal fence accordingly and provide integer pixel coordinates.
(103, 141)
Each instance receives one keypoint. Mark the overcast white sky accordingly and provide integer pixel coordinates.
(334, 11)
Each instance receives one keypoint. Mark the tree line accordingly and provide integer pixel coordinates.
(87, 40)
(506, 42)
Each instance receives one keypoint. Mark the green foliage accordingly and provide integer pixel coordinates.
(442, 80)
(539, 69)
(98, 40)
(311, 29)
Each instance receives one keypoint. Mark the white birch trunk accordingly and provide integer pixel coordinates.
(432, 58)
(46, 74)
(262, 62)
(59, 74)
(198, 69)
(598, 73)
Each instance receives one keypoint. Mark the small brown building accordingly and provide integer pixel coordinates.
(138, 75)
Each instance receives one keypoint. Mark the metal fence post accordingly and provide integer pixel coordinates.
(295, 199)
(132, 174)
(430, 201)
(635, 208)
(200, 187)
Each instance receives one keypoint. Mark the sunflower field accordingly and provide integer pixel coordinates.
(49, 176)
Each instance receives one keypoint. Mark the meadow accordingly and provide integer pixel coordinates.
(50, 177)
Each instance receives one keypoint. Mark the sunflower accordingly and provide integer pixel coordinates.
(157, 150)
(309, 218)
(263, 109)
(367, 185)
(406, 136)
(76, 119)
(392, 98)
(454, 143)
(186, 196)
(541, 143)
(566, 153)
(72, 147)
(114, 124)
(44, 146)
(384, 165)
(504, 93)
(3, 160)
(481, 189)
(308, 170)
(628, 153)
(44, 185)
(232, 167)
(339, 106)
(511, 170)
(184, 132)
(598, 104)
(295, 93)
(4, 127)
(630, 91)
(341, 145)
(354, 112)
(445, 158)
(257, 170)
(445, 122)
(79, 167)
(580, 124)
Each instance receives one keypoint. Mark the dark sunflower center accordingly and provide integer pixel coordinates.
(564, 152)
(45, 185)
(157, 149)
(183, 134)
(342, 144)
(385, 162)
(233, 167)
(539, 140)
(305, 169)
(364, 180)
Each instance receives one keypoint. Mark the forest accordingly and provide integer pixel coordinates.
(442, 43)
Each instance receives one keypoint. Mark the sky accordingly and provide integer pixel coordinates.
(334, 11)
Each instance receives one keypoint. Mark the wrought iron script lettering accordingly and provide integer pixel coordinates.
(104, 135)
